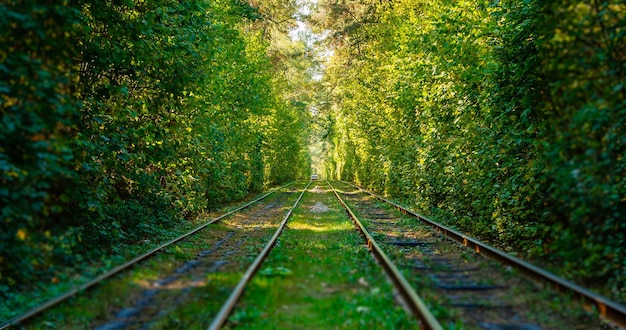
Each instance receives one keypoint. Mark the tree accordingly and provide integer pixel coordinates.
(501, 118)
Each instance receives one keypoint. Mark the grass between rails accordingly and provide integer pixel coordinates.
(94, 306)
(601, 287)
(534, 302)
(319, 276)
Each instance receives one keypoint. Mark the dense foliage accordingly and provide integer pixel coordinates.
(119, 117)
(506, 119)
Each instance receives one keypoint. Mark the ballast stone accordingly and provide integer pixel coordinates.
(319, 208)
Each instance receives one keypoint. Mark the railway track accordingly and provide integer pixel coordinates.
(329, 288)
(453, 274)
(242, 228)
(435, 279)
(411, 299)
(229, 305)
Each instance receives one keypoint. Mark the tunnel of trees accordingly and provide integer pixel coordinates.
(503, 118)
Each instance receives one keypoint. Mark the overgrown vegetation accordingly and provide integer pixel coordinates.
(180, 296)
(320, 275)
(120, 117)
(503, 118)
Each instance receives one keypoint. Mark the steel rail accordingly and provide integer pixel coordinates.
(609, 309)
(36, 310)
(230, 303)
(411, 298)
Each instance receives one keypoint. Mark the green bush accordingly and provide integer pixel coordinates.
(502, 118)
(120, 117)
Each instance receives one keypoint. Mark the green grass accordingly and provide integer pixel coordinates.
(87, 268)
(538, 304)
(94, 306)
(320, 276)
(198, 310)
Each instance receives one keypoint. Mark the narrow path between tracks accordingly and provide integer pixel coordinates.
(320, 276)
